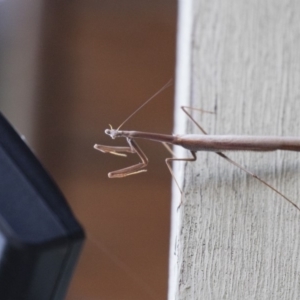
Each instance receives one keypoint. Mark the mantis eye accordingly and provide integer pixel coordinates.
(111, 132)
(107, 131)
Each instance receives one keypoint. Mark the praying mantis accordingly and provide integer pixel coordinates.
(195, 143)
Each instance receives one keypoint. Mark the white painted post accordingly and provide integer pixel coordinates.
(234, 238)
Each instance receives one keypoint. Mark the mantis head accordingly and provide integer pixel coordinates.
(113, 133)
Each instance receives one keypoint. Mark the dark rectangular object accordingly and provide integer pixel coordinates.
(40, 239)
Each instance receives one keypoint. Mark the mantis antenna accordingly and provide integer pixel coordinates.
(168, 84)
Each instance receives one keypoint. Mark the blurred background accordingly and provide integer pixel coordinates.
(67, 70)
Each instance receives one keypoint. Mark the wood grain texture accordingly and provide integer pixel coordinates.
(234, 238)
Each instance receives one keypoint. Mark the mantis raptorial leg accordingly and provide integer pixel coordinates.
(134, 148)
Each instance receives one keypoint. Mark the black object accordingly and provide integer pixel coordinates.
(40, 240)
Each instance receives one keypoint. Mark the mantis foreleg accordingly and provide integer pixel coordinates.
(134, 148)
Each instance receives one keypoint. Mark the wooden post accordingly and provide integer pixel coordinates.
(234, 238)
